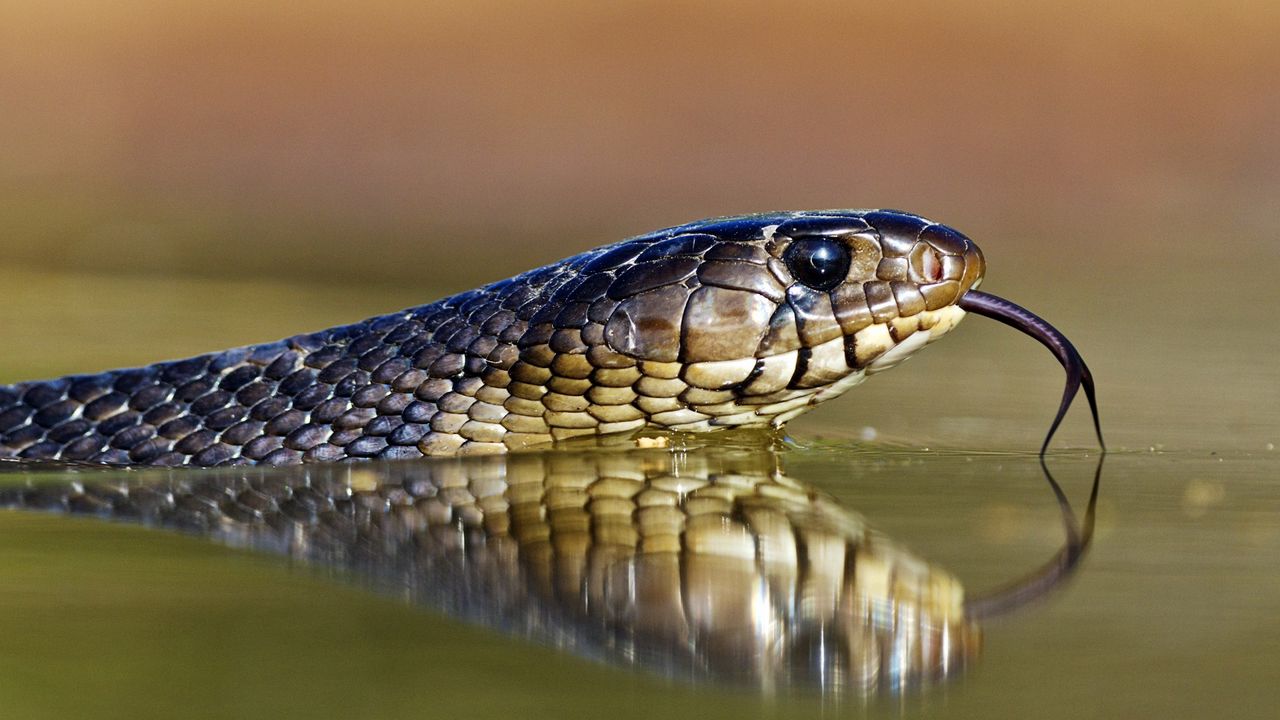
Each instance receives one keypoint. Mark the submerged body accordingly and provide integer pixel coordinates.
(743, 321)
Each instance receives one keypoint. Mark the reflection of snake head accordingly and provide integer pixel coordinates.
(749, 320)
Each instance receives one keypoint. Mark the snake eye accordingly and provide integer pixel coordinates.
(819, 263)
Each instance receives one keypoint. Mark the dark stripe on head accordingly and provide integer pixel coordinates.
(802, 367)
(739, 389)
(851, 351)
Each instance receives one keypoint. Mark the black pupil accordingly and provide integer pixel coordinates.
(819, 263)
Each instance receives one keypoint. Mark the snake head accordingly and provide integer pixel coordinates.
(751, 320)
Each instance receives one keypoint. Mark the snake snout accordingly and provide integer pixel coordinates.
(975, 268)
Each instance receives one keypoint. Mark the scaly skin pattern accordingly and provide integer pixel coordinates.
(705, 565)
(692, 328)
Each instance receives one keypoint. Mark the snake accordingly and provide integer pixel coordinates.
(743, 321)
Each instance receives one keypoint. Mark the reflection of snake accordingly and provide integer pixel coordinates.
(706, 564)
(745, 321)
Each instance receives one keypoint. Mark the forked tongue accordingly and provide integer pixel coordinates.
(1020, 318)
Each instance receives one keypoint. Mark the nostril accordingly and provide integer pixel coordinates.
(931, 265)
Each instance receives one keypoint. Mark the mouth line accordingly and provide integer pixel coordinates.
(1019, 318)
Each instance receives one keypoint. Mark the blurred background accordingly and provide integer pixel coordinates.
(177, 177)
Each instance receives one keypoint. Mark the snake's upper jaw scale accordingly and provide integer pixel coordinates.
(1019, 318)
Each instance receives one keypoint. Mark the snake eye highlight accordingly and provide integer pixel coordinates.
(819, 263)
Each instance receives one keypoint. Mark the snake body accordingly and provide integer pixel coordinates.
(739, 321)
